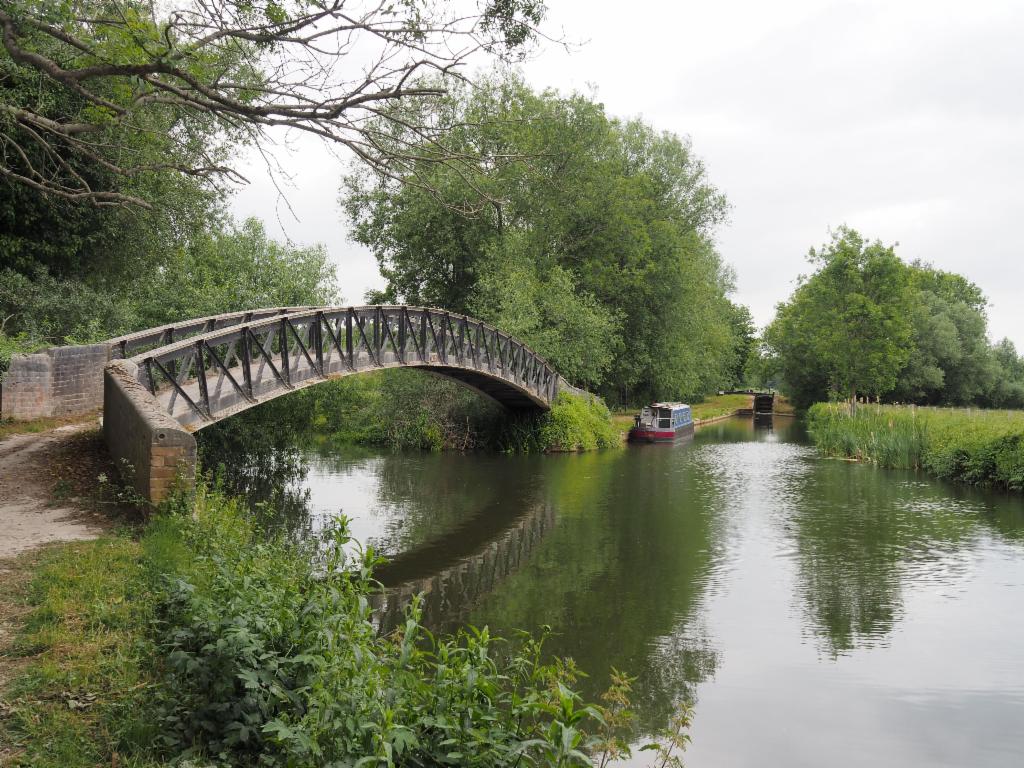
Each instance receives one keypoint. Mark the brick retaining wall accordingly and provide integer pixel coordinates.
(140, 436)
(61, 381)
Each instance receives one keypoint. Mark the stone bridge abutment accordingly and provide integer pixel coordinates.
(152, 450)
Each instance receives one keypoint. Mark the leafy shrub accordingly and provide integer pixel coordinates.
(272, 658)
(577, 423)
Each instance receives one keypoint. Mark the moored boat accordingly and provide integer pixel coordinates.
(662, 423)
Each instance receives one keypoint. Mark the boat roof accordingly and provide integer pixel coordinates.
(673, 406)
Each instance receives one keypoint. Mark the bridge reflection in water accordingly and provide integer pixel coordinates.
(451, 591)
(450, 526)
(611, 550)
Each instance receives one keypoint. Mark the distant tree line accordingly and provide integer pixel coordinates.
(867, 325)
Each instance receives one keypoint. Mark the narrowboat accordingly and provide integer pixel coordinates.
(662, 423)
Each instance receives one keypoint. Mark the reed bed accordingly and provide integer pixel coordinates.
(968, 445)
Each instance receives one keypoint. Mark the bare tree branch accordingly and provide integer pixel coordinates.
(236, 70)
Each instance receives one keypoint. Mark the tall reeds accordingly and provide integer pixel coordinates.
(967, 445)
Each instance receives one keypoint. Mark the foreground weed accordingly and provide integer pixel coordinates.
(210, 641)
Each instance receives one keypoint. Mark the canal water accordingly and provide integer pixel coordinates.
(816, 612)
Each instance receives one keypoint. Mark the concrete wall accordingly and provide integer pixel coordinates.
(62, 381)
(154, 451)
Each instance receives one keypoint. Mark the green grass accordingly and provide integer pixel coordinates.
(9, 427)
(975, 446)
(721, 405)
(76, 664)
(622, 422)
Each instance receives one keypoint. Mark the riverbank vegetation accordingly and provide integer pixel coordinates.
(208, 639)
(401, 409)
(865, 324)
(975, 446)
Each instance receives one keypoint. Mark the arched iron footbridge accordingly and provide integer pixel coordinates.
(175, 380)
(214, 374)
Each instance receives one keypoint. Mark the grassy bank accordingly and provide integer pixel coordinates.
(78, 665)
(973, 446)
(716, 406)
(204, 637)
(9, 427)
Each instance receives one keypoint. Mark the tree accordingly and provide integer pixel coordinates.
(950, 359)
(848, 325)
(1007, 389)
(225, 268)
(583, 216)
(234, 267)
(84, 84)
(543, 304)
(744, 344)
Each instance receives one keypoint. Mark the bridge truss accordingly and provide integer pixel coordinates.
(254, 357)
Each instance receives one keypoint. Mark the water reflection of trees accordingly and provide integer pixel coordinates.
(862, 533)
(620, 583)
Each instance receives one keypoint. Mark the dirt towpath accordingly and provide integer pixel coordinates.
(31, 468)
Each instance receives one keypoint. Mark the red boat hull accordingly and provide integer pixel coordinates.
(659, 435)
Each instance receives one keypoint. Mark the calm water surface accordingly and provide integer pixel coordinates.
(817, 612)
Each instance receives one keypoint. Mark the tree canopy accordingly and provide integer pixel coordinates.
(867, 323)
(590, 236)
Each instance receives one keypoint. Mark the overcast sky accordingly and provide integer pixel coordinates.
(900, 118)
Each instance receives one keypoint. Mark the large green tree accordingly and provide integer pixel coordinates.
(864, 315)
(45, 151)
(590, 236)
(950, 359)
(847, 327)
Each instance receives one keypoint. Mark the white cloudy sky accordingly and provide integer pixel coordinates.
(901, 118)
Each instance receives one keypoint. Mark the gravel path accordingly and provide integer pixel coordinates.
(29, 514)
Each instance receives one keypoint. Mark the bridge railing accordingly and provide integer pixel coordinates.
(131, 344)
(214, 374)
(68, 380)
